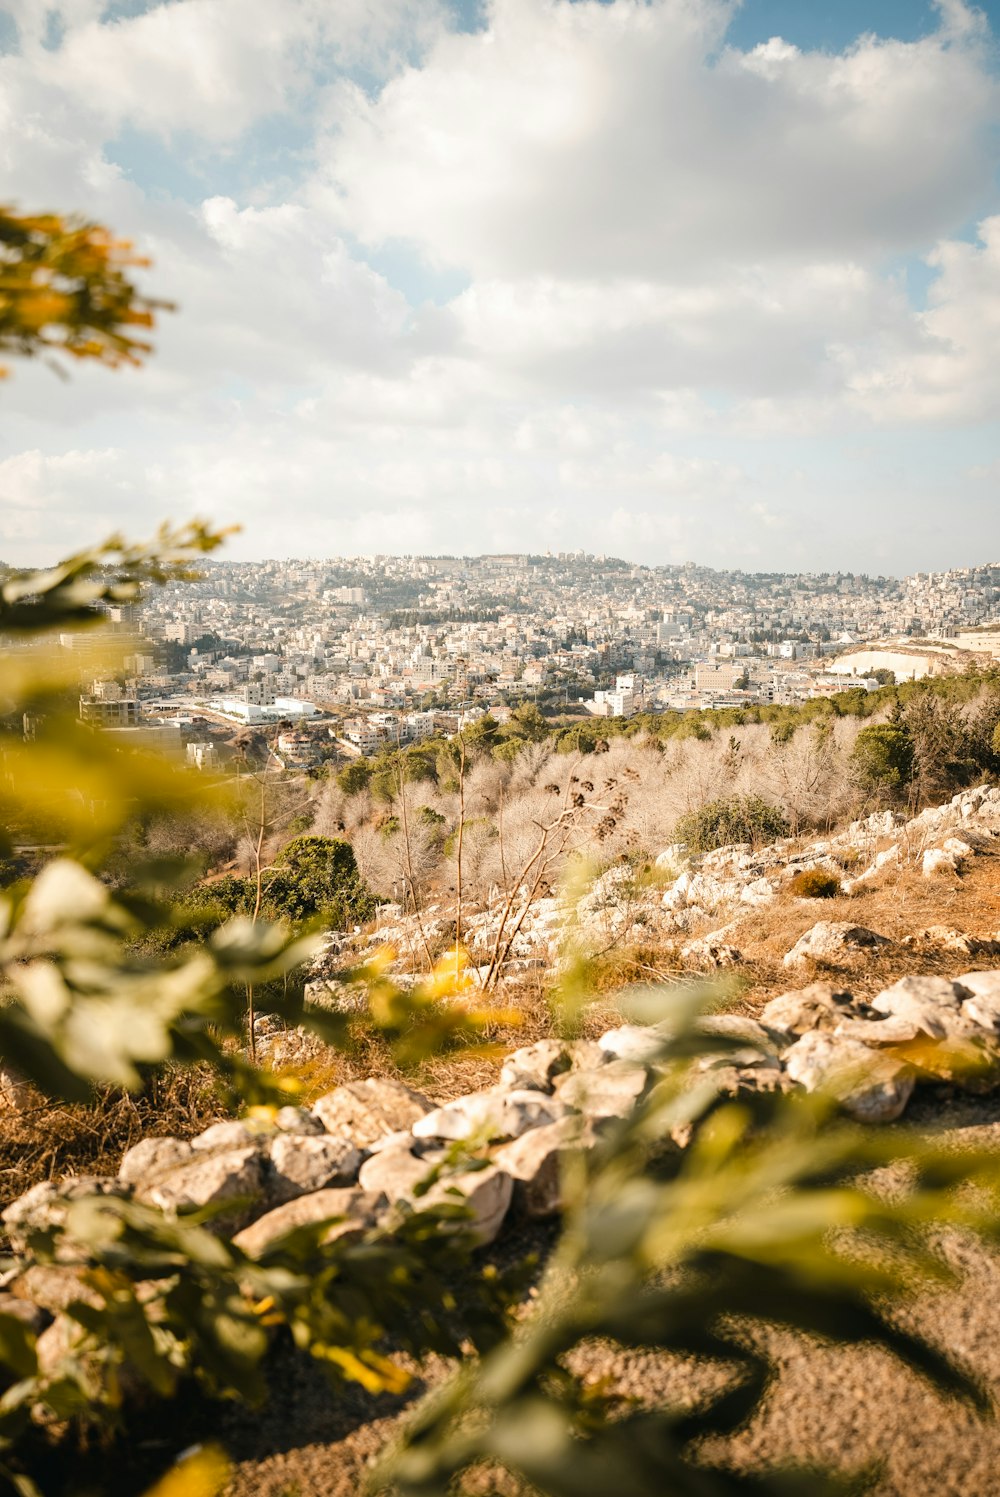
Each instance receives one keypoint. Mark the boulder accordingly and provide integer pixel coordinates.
(537, 1160)
(870, 1086)
(632, 1042)
(151, 1157)
(983, 1004)
(356, 1212)
(821, 1005)
(932, 1004)
(610, 1092)
(485, 1194)
(232, 1133)
(711, 951)
(936, 861)
(362, 1111)
(235, 1175)
(45, 1205)
(536, 1066)
(302, 1164)
(834, 942)
(489, 1115)
(297, 1120)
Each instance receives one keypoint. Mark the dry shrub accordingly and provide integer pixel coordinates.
(814, 883)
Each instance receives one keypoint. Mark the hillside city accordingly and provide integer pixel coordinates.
(348, 656)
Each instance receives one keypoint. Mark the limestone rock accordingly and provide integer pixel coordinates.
(44, 1205)
(711, 951)
(297, 1120)
(235, 1175)
(871, 1087)
(231, 1133)
(397, 1170)
(52, 1287)
(485, 1193)
(31, 1316)
(359, 1210)
(302, 1164)
(363, 1110)
(834, 941)
(983, 1004)
(821, 1005)
(933, 1004)
(610, 1092)
(536, 1065)
(632, 1042)
(489, 1115)
(151, 1156)
(937, 861)
(536, 1163)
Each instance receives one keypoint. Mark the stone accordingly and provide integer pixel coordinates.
(870, 1086)
(301, 1164)
(395, 1171)
(536, 1163)
(52, 1287)
(485, 1193)
(711, 951)
(235, 1175)
(536, 1066)
(834, 941)
(759, 892)
(632, 1042)
(983, 1004)
(947, 938)
(738, 1028)
(45, 1204)
(151, 1156)
(363, 1110)
(489, 1115)
(15, 1092)
(821, 1005)
(610, 1092)
(232, 1133)
(297, 1120)
(359, 1211)
(932, 1004)
(936, 861)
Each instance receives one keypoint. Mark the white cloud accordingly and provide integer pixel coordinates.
(589, 139)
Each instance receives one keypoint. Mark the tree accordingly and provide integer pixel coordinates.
(882, 759)
(64, 289)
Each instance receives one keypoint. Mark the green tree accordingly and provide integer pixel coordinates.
(882, 759)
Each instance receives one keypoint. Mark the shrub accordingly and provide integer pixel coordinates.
(814, 883)
(742, 818)
(882, 758)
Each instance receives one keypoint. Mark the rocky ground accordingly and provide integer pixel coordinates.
(861, 994)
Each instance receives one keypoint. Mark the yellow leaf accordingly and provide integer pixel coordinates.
(203, 1472)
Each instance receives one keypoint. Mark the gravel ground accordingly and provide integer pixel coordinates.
(844, 1408)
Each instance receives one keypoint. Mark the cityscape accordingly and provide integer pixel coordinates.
(351, 656)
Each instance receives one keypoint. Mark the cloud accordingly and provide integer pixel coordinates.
(587, 139)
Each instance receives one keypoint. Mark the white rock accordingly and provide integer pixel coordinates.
(301, 1164)
(821, 1005)
(936, 861)
(833, 941)
(933, 1004)
(485, 1193)
(362, 1111)
(536, 1163)
(358, 1209)
(610, 1092)
(635, 1042)
(869, 1085)
(983, 1006)
(234, 1133)
(236, 1175)
(151, 1156)
(489, 1115)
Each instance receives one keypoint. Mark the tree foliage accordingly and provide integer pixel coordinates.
(64, 288)
(741, 818)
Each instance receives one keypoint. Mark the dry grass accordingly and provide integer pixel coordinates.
(49, 1141)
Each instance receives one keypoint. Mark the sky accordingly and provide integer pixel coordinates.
(673, 280)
